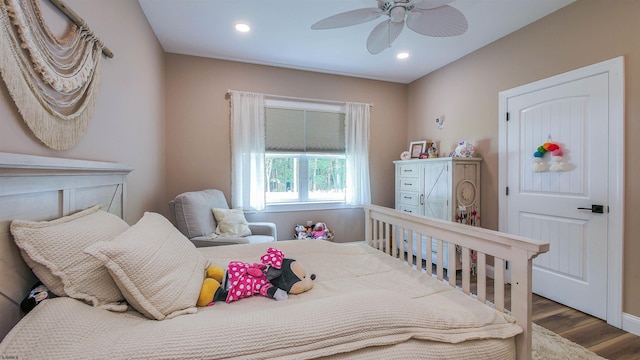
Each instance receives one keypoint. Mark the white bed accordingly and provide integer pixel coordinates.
(366, 301)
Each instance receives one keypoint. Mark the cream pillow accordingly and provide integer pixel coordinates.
(158, 270)
(231, 222)
(54, 251)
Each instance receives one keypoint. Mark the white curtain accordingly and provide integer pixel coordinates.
(247, 151)
(357, 118)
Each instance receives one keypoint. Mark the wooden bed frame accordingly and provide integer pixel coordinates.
(384, 227)
(44, 188)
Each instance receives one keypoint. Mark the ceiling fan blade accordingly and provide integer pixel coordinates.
(383, 35)
(348, 18)
(439, 22)
(431, 4)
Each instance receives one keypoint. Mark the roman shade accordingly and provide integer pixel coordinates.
(294, 130)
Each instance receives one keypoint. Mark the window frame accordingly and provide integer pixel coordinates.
(303, 162)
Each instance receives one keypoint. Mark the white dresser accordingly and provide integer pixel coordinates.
(442, 188)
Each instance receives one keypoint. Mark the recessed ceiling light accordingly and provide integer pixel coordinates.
(243, 27)
(402, 55)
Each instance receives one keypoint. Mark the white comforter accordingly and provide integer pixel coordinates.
(364, 304)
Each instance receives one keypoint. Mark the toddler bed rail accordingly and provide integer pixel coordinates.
(387, 230)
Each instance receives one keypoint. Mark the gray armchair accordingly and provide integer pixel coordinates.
(194, 218)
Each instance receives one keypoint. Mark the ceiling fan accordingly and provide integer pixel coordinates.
(426, 17)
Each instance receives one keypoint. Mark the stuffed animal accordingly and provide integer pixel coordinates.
(290, 276)
(239, 281)
(275, 278)
(212, 289)
(300, 231)
(38, 293)
(319, 231)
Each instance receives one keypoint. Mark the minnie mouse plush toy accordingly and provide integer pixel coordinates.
(275, 278)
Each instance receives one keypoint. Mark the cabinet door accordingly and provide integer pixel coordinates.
(465, 207)
(437, 190)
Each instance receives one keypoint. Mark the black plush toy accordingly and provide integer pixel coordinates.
(38, 293)
(291, 278)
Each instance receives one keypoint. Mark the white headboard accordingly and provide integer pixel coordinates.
(44, 188)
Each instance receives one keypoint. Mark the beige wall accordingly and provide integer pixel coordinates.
(466, 92)
(128, 122)
(198, 149)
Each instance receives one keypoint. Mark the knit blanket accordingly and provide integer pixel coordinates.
(364, 304)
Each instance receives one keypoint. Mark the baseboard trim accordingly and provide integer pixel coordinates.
(631, 323)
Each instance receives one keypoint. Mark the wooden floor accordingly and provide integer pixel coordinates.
(592, 333)
(588, 331)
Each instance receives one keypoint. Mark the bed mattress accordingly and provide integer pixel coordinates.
(364, 305)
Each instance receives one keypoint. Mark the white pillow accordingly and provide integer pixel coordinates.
(231, 222)
(54, 251)
(158, 270)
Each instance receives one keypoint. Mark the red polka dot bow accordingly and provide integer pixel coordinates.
(273, 257)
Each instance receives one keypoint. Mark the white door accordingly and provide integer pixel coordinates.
(549, 205)
(582, 112)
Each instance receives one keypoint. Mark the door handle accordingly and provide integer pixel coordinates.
(598, 209)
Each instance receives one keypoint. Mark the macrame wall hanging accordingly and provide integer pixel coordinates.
(53, 81)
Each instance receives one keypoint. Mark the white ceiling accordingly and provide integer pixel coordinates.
(281, 34)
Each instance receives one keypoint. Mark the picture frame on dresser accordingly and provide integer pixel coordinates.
(416, 148)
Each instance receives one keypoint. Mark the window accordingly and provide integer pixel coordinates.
(330, 136)
(305, 158)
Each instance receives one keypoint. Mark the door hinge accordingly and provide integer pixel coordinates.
(507, 116)
(507, 192)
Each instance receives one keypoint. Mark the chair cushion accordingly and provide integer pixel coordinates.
(231, 222)
(158, 270)
(193, 211)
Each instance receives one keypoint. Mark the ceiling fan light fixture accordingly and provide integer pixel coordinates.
(397, 14)
(402, 55)
(243, 27)
(426, 17)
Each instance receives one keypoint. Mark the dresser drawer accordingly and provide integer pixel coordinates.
(408, 208)
(408, 198)
(408, 184)
(408, 170)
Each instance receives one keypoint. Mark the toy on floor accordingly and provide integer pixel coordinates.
(275, 278)
(317, 231)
